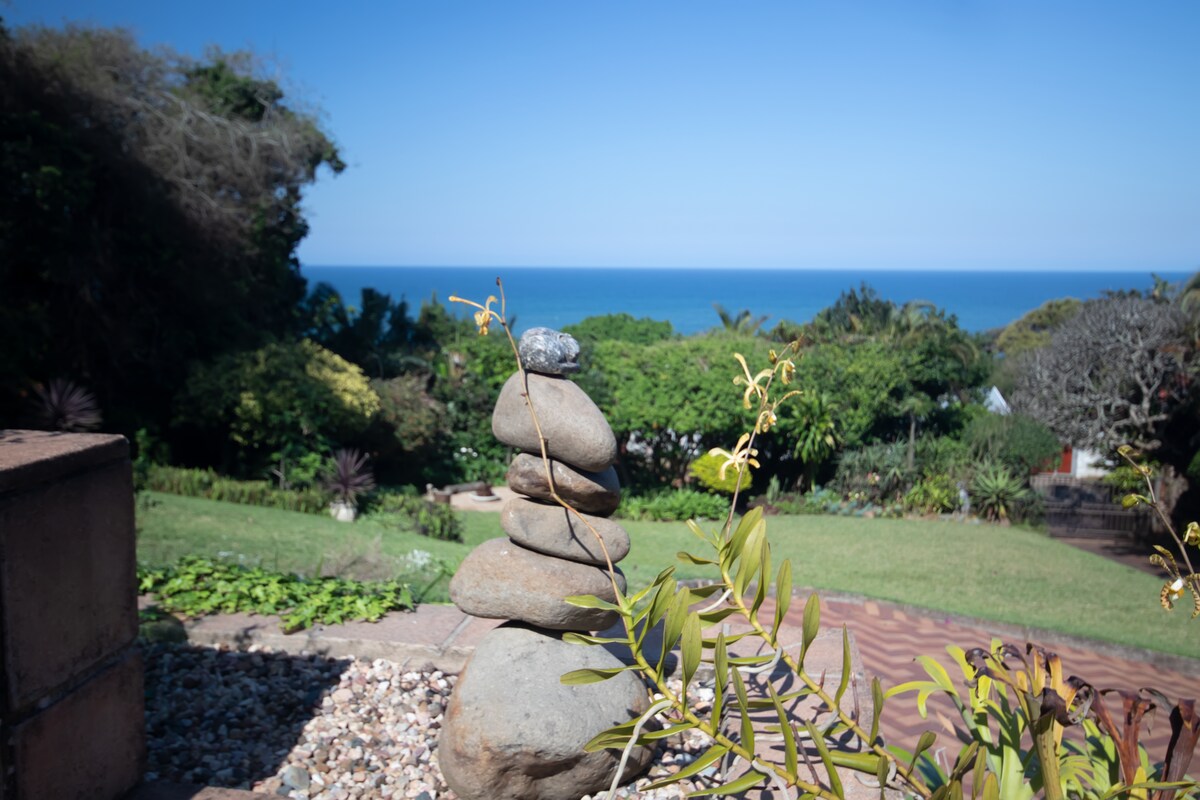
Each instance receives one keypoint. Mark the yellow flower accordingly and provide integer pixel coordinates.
(751, 383)
(484, 317)
(742, 455)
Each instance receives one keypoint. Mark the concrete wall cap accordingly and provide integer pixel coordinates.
(28, 458)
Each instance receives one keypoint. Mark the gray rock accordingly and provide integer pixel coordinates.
(296, 777)
(575, 429)
(502, 580)
(590, 492)
(548, 351)
(513, 731)
(556, 532)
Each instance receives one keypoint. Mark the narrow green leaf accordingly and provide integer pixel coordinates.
(582, 638)
(764, 577)
(691, 559)
(739, 689)
(745, 526)
(721, 663)
(783, 597)
(877, 710)
(578, 677)
(702, 762)
(835, 783)
(691, 648)
(720, 676)
(699, 532)
(812, 624)
(789, 736)
(673, 624)
(751, 557)
(991, 787)
(713, 617)
(924, 743)
(661, 602)
(845, 682)
(977, 776)
(859, 762)
(590, 601)
(746, 782)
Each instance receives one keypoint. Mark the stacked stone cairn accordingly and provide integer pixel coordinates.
(512, 730)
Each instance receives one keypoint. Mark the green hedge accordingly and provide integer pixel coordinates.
(208, 484)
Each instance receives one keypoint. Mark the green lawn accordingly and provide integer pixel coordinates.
(1008, 574)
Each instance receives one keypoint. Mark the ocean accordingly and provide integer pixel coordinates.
(554, 297)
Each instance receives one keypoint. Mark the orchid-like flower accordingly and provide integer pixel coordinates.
(484, 317)
(754, 385)
(742, 455)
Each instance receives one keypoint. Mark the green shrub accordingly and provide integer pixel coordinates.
(1020, 443)
(208, 484)
(933, 494)
(408, 511)
(676, 505)
(707, 471)
(197, 586)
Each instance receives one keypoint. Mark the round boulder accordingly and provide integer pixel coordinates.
(499, 579)
(590, 492)
(513, 731)
(575, 429)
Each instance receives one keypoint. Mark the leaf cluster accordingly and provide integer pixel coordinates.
(197, 586)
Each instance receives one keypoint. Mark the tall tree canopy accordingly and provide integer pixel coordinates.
(150, 215)
(1110, 375)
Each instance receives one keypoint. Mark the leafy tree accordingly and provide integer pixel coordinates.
(1033, 330)
(743, 323)
(378, 335)
(860, 312)
(283, 397)
(620, 327)
(150, 216)
(1110, 375)
(669, 401)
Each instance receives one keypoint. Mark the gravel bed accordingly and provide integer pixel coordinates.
(310, 727)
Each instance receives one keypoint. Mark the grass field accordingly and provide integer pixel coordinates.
(1007, 574)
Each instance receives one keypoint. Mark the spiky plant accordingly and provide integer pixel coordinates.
(66, 406)
(348, 476)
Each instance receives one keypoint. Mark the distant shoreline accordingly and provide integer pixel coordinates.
(558, 296)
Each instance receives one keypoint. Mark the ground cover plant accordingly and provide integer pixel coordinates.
(197, 586)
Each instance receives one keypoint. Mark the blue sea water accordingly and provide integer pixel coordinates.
(555, 297)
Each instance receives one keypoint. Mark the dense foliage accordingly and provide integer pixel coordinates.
(199, 586)
(150, 216)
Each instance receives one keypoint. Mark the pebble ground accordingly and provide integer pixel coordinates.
(311, 727)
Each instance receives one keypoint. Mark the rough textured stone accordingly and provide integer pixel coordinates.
(575, 429)
(502, 580)
(522, 739)
(590, 492)
(556, 532)
(548, 351)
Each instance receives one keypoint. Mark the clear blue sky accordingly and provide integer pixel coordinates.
(960, 134)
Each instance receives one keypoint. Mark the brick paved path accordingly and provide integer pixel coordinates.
(891, 636)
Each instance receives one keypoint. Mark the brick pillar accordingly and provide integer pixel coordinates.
(71, 677)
